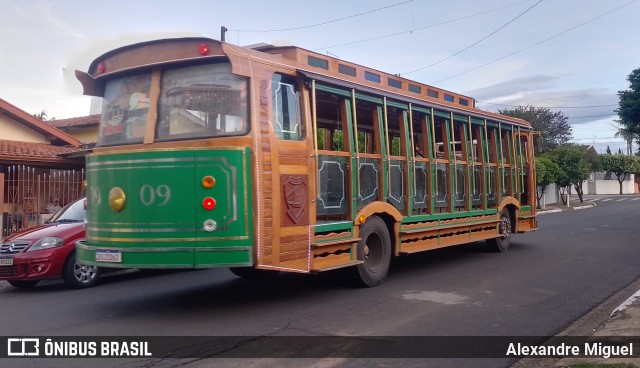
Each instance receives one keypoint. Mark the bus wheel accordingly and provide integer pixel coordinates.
(253, 273)
(374, 248)
(501, 244)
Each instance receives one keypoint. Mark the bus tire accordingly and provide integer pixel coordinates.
(501, 244)
(374, 249)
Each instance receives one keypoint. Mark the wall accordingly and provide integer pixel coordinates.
(550, 195)
(85, 136)
(14, 131)
(613, 187)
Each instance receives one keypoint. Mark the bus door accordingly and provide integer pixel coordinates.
(288, 216)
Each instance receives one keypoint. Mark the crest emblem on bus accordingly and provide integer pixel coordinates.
(295, 196)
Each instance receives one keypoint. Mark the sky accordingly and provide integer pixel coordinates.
(567, 55)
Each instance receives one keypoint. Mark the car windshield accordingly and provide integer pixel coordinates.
(73, 212)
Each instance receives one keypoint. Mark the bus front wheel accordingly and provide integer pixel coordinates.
(374, 249)
(501, 243)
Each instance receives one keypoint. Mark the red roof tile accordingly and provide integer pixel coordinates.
(82, 121)
(28, 149)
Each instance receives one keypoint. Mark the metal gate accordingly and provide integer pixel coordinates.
(33, 195)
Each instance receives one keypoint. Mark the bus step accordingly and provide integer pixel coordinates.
(335, 242)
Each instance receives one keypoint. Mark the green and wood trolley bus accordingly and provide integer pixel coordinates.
(279, 158)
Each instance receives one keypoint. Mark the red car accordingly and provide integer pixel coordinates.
(48, 252)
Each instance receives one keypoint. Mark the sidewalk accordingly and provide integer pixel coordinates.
(623, 321)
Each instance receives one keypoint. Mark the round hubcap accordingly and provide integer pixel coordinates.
(84, 273)
(505, 228)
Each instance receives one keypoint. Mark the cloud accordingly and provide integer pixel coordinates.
(514, 87)
(42, 12)
(580, 105)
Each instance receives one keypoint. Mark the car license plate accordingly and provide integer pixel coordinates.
(103, 255)
(6, 261)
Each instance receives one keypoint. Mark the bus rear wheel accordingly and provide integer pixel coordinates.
(374, 249)
(501, 243)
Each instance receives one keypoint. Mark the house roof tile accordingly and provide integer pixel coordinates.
(28, 149)
(79, 122)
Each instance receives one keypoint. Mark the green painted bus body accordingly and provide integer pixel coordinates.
(164, 222)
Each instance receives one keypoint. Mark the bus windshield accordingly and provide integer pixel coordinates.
(201, 101)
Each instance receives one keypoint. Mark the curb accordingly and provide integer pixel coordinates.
(565, 209)
(626, 303)
(546, 212)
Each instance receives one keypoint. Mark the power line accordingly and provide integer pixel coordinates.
(548, 107)
(477, 42)
(422, 27)
(590, 116)
(540, 42)
(322, 23)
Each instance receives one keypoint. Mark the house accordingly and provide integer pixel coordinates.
(84, 128)
(35, 168)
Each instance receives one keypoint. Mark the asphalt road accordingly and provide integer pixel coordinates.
(546, 280)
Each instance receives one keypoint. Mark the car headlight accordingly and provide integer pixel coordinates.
(46, 243)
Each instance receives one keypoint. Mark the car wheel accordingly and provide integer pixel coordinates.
(23, 284)
(78, 276)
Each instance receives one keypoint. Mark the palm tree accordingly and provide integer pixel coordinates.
(41, 116)
(627, 133)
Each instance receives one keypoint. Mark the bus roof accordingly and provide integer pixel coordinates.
(308, 63)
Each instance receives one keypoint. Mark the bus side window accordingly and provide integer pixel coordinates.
(441, 154)
(333, 157)
(286, 108)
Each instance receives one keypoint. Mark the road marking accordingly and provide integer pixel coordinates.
(606, 200)
(596, 199)
(636, 199)
(620, 200)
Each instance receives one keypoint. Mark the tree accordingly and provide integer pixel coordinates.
(574, 167)
(553, 126)
(625, 133)
(629, 105)
(620, 165)
(42, 116)
(547, 172)
(594, 159)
